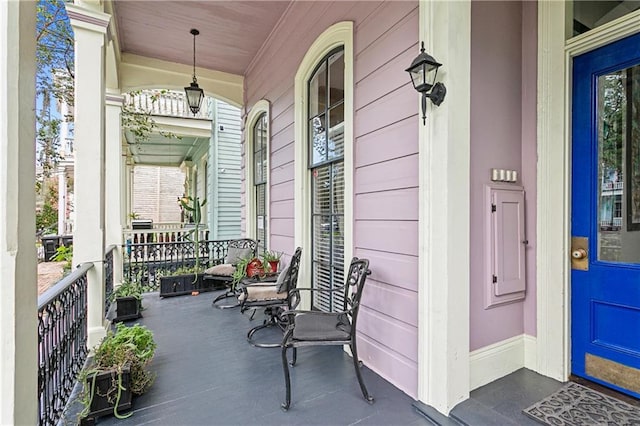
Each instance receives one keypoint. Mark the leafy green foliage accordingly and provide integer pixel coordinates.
(128, 346)
(47, 219)
(241, 270)
(64, 254)
(127, 289)
(139, 120)
(271, 256)
(194, 207)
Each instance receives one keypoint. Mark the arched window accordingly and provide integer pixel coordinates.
(259, 184)
(325, 124)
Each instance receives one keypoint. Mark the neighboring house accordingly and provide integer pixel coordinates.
(482, 226)
(186, 155)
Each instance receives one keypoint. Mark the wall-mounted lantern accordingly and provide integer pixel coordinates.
(423, 72)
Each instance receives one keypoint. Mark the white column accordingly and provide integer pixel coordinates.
(18, 289)
(89, 27)
(62, 199)
(444, 150)
(114, 184)
(553, 213)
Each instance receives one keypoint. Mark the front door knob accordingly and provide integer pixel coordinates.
(579, 253)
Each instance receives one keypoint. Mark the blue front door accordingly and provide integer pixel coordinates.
(605, 292)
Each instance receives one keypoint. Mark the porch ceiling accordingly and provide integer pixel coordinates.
(162, 151)
(231, 32)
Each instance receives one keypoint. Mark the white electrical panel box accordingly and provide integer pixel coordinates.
(505, 245)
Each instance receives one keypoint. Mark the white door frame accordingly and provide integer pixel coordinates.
(554, 176)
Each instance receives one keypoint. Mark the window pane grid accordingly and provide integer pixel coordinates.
(260, 180)
(326, 99)
(328, 234)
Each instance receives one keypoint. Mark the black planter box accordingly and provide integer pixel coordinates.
(127, 308)
(177, 285)
(101, 404)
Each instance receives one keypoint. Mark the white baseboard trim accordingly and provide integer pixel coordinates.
(495, 361)
(530, 352)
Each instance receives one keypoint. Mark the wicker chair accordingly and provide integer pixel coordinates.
(313, 328)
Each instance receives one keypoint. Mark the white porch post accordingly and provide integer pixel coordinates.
(90, 27)
(444, 149)
(114, 182)
(18, 289)
(62, 199)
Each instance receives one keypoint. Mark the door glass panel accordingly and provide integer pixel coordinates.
(619, 166)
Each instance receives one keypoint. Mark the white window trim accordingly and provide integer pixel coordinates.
(260, 107)
(340, 34)
(553, 347)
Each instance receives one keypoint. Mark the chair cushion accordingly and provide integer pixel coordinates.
(321, 327)
(235, 254)
(281, 284)
(225, 269)
(262, 292)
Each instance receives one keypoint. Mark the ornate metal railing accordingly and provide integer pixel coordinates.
(108, 276)
(148, 261)
(62, 342)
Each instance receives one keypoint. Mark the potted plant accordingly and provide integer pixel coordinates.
(255, 268)
(272, 258)
(240, 272)
(128, 299)
(119, 371)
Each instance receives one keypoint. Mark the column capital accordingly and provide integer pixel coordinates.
(87, 19)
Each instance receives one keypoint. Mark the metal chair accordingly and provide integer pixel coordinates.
(236, 250)
(312, 328)
(276, 298)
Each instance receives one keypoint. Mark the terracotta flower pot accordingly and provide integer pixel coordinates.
(273, 264)
(254, 268)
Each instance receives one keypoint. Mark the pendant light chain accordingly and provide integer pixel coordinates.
(194, 32)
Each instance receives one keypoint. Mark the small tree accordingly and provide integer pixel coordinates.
(194, 206)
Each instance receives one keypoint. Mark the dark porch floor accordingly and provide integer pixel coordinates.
(209, 375)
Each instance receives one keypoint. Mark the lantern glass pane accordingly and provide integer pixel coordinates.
(194, 97)
(417, 76)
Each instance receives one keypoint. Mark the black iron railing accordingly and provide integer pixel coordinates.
(108, 277)
(147, 262)
(62, 342)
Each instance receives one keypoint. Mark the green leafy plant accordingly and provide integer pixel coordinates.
(64, 254)
(127, 289)
(241, 270)
(138, 120)
(271, 256)
(131, 347)
(194, 206)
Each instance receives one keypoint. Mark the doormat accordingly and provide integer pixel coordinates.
(574, 404)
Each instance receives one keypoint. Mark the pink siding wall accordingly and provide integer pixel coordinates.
(503, 126)
(386, 163)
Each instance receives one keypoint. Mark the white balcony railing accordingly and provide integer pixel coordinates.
(612, 186)
(168, 104)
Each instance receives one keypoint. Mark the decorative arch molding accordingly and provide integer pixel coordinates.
(261, 107)
(340, 34)
(140, 72)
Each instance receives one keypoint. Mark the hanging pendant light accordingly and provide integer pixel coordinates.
(194, 93)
